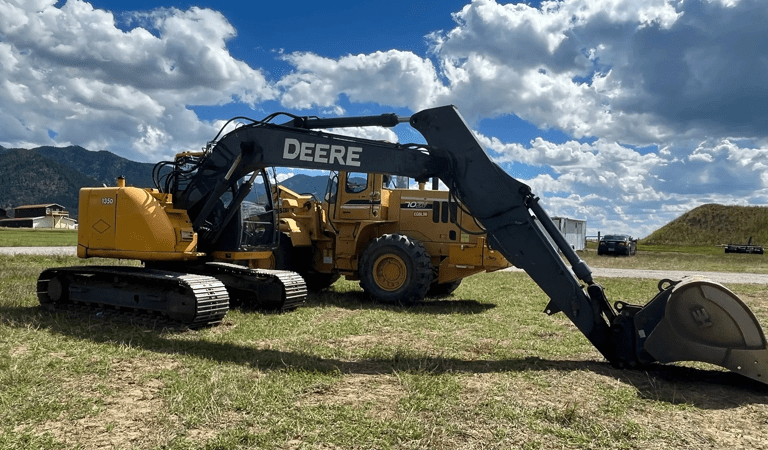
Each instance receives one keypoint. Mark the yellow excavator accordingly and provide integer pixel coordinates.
(204, 212)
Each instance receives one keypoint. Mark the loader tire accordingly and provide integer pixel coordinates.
(396, 269)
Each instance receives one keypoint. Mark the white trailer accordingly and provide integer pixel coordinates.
(574, 231)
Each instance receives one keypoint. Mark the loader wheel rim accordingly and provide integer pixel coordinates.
(390, 272)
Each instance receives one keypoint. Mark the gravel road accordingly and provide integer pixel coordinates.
(38, 250)
(720, 277)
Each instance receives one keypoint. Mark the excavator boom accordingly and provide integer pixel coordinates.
(695, 320)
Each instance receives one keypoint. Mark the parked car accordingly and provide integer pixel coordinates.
(617, 244)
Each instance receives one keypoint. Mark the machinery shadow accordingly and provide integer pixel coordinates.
(361, 300)
(706, 389)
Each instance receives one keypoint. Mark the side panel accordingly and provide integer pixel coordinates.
(143, 224)
(96, 229)
(130, 223)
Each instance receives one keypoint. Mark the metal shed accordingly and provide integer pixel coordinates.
(574, 231)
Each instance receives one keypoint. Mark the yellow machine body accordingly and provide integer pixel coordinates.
(133, 223)
(363, 209)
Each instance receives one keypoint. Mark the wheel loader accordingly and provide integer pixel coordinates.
(363, 214)
(200, 214)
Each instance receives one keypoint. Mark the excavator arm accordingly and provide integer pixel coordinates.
(695, 320)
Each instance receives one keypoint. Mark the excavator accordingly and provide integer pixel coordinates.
(198, 218)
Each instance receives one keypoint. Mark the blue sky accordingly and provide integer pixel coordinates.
(622, 113)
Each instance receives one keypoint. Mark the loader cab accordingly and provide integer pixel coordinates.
(355, 195)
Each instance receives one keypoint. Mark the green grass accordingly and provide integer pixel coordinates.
(29, 237)
(671, 257)
(482, 369)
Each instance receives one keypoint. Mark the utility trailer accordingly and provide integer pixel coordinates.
(744, 248)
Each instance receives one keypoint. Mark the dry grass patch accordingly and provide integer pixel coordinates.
(378, 395)
(130, 404)
(386, 338)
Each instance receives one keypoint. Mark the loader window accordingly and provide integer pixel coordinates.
(388, 182)
(356, 182)
(395, 182)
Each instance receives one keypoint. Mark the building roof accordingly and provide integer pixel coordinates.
(21, 219)
(44, 205)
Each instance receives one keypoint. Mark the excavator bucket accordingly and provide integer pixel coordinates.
(700, 320)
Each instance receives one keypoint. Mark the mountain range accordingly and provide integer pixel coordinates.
(56, 174)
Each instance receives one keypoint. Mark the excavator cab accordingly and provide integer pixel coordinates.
(231, 214)
(252, 223)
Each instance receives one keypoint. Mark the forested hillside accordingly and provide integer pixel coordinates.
(55, 175)
(28, 178)
(102, 166)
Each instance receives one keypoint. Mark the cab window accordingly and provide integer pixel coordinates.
(356, 182)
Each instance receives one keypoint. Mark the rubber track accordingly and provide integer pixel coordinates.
(207, 294)
(294, 287)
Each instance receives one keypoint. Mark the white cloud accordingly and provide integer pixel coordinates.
(636, 72)
(374, 133)
(71, 70)
(613, 186)
(393, 78)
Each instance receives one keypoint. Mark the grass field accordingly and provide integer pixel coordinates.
(482, 369)
(673, 259)
(670, 257)
(28, 237)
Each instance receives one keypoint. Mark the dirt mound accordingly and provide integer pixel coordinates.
(714, 225)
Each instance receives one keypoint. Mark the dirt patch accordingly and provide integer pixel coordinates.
(19, 351)
(382, 392)
(130, 407)
(394, 339)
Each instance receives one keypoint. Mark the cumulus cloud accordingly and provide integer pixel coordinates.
(392, 77)
(617, 187)
(70, 71)
(635, 72)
